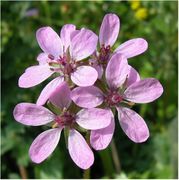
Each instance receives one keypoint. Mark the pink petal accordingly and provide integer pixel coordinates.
(87, 97)
(109, 30)
(94, 118)
(84, 76)
(133, 76)
(116, 71)
(65, 34)
(132, 47)
(49, 41)
(48, 90)
(42, 58)
(74, 33)
(79, 150)
(99, 69)
(100, 139)
(61, 96)
(83, 44)
(34, 75)
(133, 125)
(32, 115)
(44, 144)
(144, 91)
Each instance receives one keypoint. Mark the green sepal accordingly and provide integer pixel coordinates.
(54, 108)
(80, 129)
(66, 134)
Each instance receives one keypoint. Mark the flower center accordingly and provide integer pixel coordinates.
(113, 98)
(63, 64)
(68, 68)
(66, 119)
(104, 54)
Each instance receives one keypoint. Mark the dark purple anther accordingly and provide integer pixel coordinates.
(50, 56)
(63, 60)
(104, 54)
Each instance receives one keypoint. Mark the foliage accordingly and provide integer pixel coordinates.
(154, 159)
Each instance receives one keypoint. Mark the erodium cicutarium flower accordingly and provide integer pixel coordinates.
(108, 34)
(124, 88)
(74, 60)
(45, 143)
(62, 55)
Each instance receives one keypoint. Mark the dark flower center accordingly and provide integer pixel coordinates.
(113, 98)
(62, 64)
(66, 119)
(104, 54)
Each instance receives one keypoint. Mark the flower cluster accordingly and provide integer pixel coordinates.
(90, 85)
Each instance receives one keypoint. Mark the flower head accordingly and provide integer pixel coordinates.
(45, 143)
(61, 55)
(108, 34)
(124, 88)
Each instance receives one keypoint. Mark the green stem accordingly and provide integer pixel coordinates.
(115, 157)
(86, 174)
(101, 85)
(66, 134)
(107, 162)
(53, 108)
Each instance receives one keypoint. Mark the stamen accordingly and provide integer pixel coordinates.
(129, 103)
(55, 125)
(52, 69)
(62, 65)
(62, 60)
(66, 119)
(69, 68)
(50, 56)
(104, 54)
(53, 63)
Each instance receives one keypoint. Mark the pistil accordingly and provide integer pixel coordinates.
(62, 65)
(113, 98)
(66, 119)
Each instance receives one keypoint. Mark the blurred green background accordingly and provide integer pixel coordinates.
(152, 20)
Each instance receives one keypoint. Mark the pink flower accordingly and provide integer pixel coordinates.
(120, 91)
(108, 34)
(45, 143)
(62, 55)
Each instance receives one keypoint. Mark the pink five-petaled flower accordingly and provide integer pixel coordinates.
(62, 55)
(108, 34)
(45, 143)
(119, 92)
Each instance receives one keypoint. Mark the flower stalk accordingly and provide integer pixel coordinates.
(107, 162)
(86, 173)
(115, 156)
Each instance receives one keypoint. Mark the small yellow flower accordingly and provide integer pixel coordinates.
(141, 13)
(64, 8)
(135, 4)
